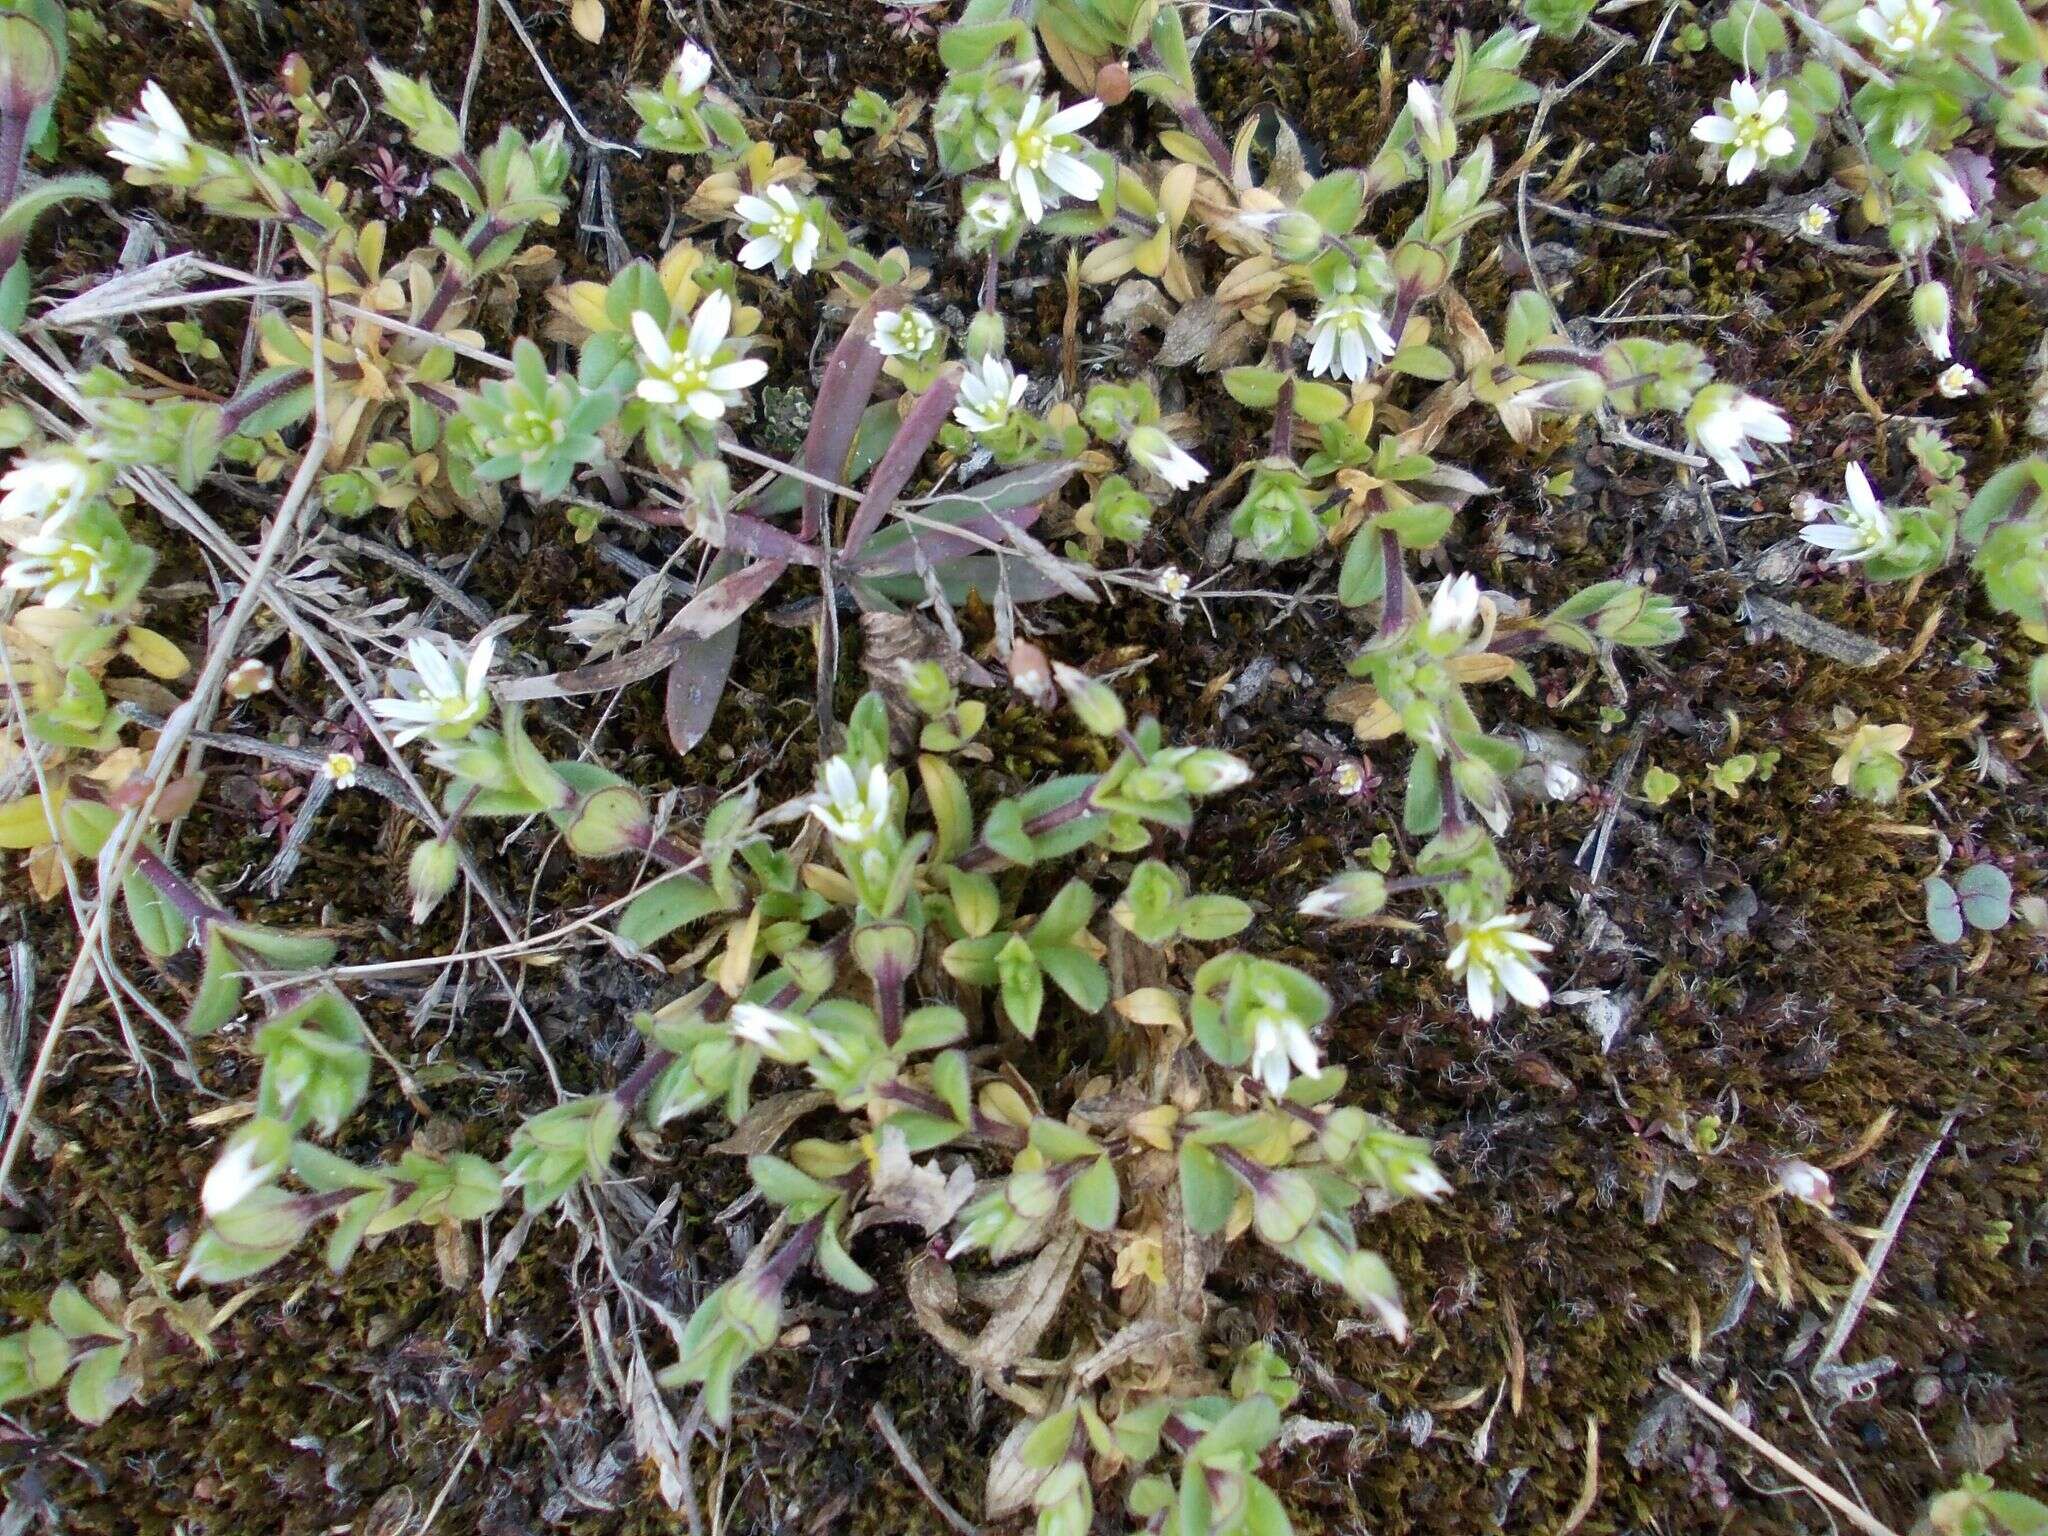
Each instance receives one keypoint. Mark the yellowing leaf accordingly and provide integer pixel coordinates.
(587, 17)
(154, 653)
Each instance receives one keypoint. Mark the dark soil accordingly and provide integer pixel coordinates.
(1770, 947)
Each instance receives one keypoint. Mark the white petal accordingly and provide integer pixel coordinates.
(653, 342)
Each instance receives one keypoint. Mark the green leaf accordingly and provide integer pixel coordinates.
(1208, 1190)
(77, 1318)
(160, 927)
(98, 1386)
(219, 995)
(1078, 974)
(950, 1081)
(838, 1264)
(664, 907)
(1944, 911)
(1986, 895)
(1093, 1197)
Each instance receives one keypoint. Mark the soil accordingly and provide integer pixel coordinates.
(1768, 948)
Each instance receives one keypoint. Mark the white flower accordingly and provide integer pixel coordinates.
(1860, 528)
(1802, 1181)
(1455, 606)
(907, 333)
(1930, 310)
(48, 488)
(155, 140)
(1725, 422)
(1902, 28)
(1951, 198)
(248, 1164)
(1814, 222)
(1350, 337)
(783, 232)
(1151, 447)
(248, 679)
(776, 1034)
(1956, 381)
(694, 379)
(1419, 1179)
(62, 569)
(1174, 583)
(992, 211)
(1751, 128)
(853, 812)
(989, 395)
(1044, 143)
(340, 769)
(1280, 1047)
(1347, 779)
(445, 695)
(1493, 957)
(692, 70)
(1561, 781)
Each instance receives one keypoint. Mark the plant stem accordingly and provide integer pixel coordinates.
(1192, 117)
(176, 889)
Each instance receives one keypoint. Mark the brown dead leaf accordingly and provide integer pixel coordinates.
(769, 1121)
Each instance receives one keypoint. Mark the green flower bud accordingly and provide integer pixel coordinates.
(985, 337)
(1122, 511)
(1296, 236)
(431, 875)
(558, 1148)
(1277, 517)
(427, 122)
(1356, 893)
(1094, 702)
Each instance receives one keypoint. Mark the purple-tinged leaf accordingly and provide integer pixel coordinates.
(714, 608)
(937, 545)
(851, 374)
(905, 452)
(740, 534)
(696, 683)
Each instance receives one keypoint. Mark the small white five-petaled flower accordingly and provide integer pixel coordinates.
(445, 695)
(1281, 1046)
(1494, 957)
(1956, 381)
(1041, 155)
(48, 488)
(1349, 337)
(248, 679)
(1902, 28)
(1750, 127)
(1859, 528)
(62, 569)
(692, 69)
(1814, 222)
(855, 812)
(1174, 584)
(906, 333)
(1151, 447)
(783, 232)
(700, 379)
(155, 140)
(990, 395)
(1725, 423)
(340, 769)
(1455, 607)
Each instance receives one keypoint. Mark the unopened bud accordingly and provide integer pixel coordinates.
(293, 75)
(431, 875)
(1802, 1181)
(253, 1157)
(1930, 318)
(1031, 674)
(1434, 131)
(248, 679)
(1094, 702)
(1207, 771)
(1354, 894)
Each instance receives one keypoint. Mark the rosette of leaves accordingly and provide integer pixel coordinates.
(542, 427)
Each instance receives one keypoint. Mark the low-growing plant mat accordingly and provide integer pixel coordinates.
(1747, 976)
